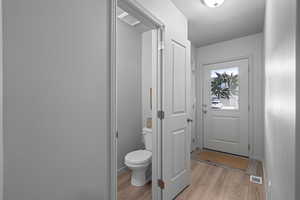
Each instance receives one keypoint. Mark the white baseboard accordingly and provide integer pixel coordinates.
(259, 158)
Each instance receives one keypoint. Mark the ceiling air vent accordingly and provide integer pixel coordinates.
(127, 18)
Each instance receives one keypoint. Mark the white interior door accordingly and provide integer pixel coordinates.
(226, 106)
(176, 137)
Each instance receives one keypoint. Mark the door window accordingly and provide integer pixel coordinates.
(224, 90)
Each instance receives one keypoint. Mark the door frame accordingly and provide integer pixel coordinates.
(206, 86)
(200, 96)
(147, 18)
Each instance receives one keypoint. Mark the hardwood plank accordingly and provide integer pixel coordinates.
(208, 183)
(225, 159)
(217, 183)
(126, 191)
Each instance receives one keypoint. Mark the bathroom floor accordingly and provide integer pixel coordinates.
(208, 182)
(128, 192)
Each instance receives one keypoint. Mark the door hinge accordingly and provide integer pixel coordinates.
(248, 107)
(117, 134)
(189, 120)
(249, 147)
(161, 184)
(161, 114)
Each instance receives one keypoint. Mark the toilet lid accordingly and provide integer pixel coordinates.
(138, 157)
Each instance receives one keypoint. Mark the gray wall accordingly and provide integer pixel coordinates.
(129, 44)
(55, 99)
(146, 75)
(280, 96)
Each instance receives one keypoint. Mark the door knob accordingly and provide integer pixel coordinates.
(189, 120)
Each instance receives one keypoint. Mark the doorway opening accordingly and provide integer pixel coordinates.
(138, 98)
(225, 114)
(169, 107)
(226, 107)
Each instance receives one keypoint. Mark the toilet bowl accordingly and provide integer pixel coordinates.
(140, 161)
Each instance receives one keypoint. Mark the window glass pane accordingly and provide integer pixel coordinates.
(225, 89)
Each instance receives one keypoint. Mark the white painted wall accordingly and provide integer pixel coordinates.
(146, 75)
(280, 99)
(252, 47)
(55, 108)
(129, 102)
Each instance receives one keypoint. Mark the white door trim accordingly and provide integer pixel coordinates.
(1, 108)
(147, 17)
(111, 175)
(200, 96)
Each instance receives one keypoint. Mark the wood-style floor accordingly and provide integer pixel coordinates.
(128, 192)
(217, 183)
(208, 183)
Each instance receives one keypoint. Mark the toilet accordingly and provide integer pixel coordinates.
(140, 161)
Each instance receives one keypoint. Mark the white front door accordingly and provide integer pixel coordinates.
(176, 137)
(226, 106)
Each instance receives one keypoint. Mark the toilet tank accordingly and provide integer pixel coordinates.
(147, 137)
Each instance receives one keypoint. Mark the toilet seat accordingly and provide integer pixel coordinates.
(138, 157)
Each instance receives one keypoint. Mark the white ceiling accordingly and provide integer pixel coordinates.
(235, 18)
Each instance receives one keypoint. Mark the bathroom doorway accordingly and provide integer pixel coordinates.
(138, 99)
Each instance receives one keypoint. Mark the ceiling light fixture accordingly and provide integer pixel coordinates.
(213, 3)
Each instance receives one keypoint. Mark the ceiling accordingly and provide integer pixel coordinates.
(235, 18)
